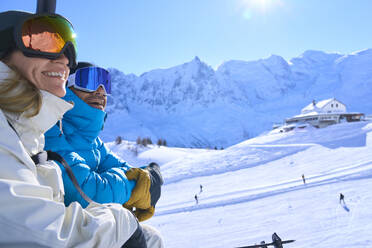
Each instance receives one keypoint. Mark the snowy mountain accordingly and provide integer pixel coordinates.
(255, 188)
(193, 105)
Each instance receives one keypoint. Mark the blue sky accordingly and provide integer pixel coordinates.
(136, 36)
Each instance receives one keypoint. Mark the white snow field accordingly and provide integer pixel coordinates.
(255, 188)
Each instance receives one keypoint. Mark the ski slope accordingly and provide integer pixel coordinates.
(255, 188)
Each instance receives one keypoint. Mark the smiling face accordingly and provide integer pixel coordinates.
(96, 99)
(45, 74)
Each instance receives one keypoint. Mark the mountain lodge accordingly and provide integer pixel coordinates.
(324, 113)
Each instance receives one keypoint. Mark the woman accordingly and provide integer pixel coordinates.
(36, 52)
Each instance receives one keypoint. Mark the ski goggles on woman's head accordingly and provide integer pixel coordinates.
(47, 36)
(90, 79)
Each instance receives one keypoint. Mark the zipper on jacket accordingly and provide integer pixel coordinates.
(60, 127)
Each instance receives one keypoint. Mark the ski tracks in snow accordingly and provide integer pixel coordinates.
(254, 155)
(355, 172)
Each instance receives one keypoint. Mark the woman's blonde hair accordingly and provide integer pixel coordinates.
(17, 95)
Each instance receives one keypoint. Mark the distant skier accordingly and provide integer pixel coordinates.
(201, 188)
(303, 178)
(342, 198)
(196, 199)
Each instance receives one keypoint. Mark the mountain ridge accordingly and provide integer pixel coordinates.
(193, 105)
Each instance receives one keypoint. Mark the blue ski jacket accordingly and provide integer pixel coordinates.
(100, 173)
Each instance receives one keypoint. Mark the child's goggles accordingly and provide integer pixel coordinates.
(47, 36)
(90, 78)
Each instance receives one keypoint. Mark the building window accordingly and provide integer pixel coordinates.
(336, 105)
(331, 105)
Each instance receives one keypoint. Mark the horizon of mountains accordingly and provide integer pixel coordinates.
(193, 105)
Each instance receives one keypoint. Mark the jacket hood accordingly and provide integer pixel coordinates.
(84, 119)
(31, 129)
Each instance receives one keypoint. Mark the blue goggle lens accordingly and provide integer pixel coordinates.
(90, 78)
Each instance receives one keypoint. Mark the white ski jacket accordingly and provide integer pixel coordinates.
(32, 212)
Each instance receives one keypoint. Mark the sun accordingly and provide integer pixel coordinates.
(261, 5)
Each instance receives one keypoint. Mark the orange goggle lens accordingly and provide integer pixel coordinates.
(47, 34)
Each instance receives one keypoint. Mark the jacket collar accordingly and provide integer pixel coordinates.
(83, 119)
(31, 129)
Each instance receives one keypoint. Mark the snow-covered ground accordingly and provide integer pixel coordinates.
(254, 189)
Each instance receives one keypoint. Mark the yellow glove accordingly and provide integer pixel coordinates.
(147, 191)
(140, 201)
(140, 197)
(144, 214)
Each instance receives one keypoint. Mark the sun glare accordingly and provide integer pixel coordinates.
(260, 6)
